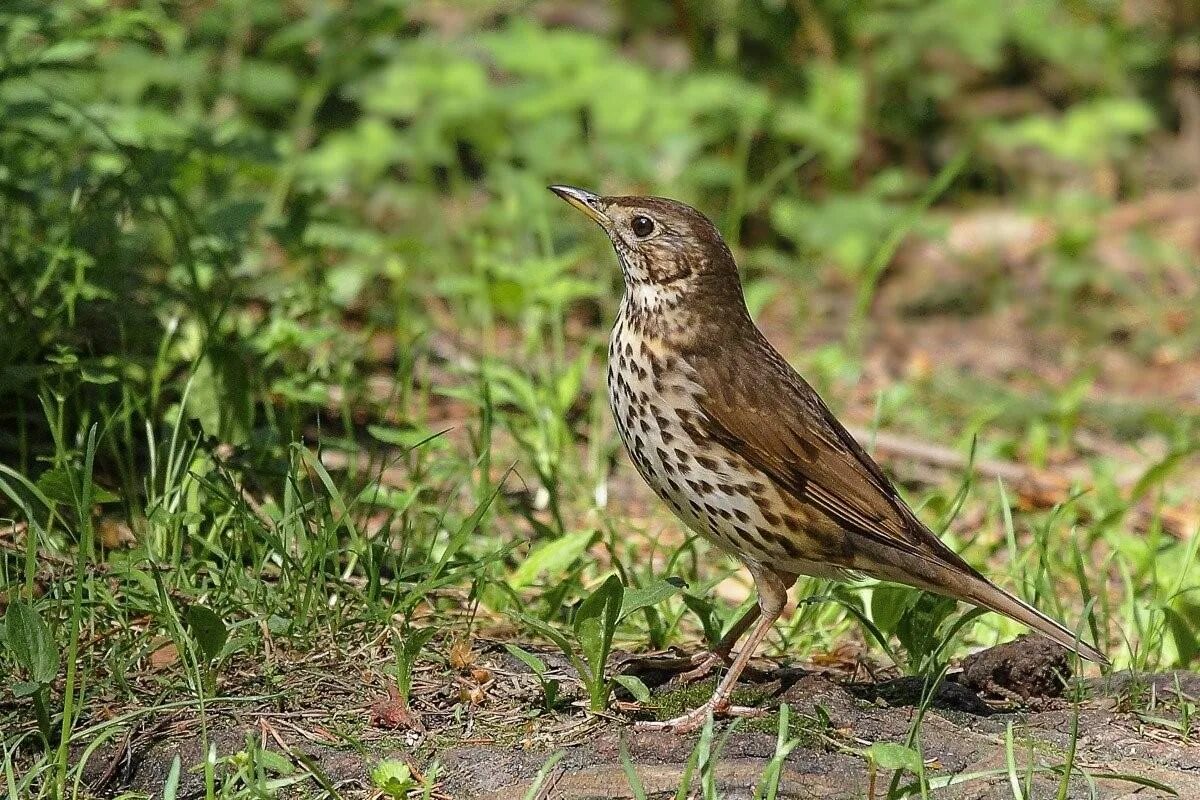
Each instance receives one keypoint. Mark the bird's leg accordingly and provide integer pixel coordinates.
(706, 661)
(772, 596)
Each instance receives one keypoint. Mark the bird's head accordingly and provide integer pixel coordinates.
(669, 251)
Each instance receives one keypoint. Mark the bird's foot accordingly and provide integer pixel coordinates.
(703, 663)
(694, 720)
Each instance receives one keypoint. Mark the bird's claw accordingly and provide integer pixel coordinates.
(703, 663)
(694, 720)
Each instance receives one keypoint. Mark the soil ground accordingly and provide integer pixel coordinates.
(501, 752)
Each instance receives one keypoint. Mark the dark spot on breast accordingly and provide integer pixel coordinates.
(741, 515)
(663, 456)
(681, 454)
(667, 436)
(690, 429)
(771, 517)
(708, 462)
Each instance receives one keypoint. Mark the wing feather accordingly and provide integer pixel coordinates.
(776, 421)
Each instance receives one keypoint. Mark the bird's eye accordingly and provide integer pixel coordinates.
(642, 226)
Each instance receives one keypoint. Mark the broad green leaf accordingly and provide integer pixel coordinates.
(596, 621)
(415, 641)
(409, 648)
(1183, 632)
(535, 664)
(634, 686)
(551, 557)
(706, 613)
(1157, 473)
(889, 604)
(652, 595)
(919, 628)
(220, 397)
(60, 485)
(274, 762)
(29, 639)
(209, 630)
(233, 218)
(393, 777)
(890, 755)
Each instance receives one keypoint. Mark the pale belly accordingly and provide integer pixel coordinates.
(713, 491)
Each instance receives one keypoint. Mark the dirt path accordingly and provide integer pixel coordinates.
(1119, 753)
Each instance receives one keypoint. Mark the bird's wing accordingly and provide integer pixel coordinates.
(771, 417)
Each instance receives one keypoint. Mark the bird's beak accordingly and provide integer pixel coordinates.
(584, 200)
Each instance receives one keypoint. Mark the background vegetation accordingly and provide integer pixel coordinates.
(300, 359)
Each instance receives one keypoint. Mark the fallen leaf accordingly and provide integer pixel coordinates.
(461, 655)
(163, 655)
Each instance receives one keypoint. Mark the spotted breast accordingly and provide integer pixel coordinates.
(652, 393)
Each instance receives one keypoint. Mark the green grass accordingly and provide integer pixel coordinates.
(300, 357)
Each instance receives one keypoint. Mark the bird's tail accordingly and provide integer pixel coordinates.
(986, 594)
(951, 576)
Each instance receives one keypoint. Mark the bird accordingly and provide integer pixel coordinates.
(744, 451)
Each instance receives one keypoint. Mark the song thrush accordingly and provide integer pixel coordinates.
(742, 449)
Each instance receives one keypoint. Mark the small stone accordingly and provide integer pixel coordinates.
(1030, 666)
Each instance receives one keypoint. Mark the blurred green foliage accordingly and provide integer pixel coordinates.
(211, 186)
